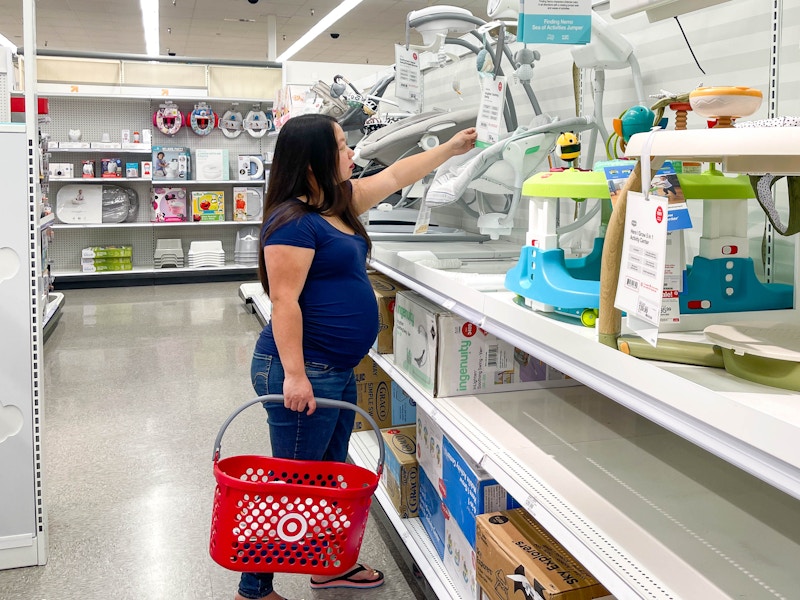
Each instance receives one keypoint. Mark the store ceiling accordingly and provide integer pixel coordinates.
(224, 29)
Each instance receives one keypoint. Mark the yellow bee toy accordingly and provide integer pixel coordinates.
(568, 147)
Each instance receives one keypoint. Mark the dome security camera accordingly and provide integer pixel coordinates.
(253, 1)
(335, 36)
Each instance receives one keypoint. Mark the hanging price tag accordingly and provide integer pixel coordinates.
(491, 111)
(408, 78)
(641, 279)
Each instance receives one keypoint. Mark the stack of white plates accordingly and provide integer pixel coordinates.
(247, 247)
(206, 254)
(169, 253)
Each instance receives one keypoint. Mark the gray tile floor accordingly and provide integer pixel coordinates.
(137, 383)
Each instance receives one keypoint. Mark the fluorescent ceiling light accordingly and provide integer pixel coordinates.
(337, 13)
(150, 25)
(4, 41)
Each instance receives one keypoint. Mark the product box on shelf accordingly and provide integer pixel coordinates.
(429, 448)
(385, 291)
(248, 203)
(514, 552)
(432, 512)
(449, 356)
(99, 265)
(374, 394)
(107, 252)
(404, 409)
(132, 170)
(208, 206)
(79, 204)
(74, 145)
(110, 167)
(106, 145)
(250, 167)
(401, 473)
(459, 561)
(172, 163)
(467, 490)
(60, 170)
(103, 267)
(169, 205)
(211, 164)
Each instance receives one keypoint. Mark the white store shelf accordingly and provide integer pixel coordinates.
(53, 180)
(47, 221)
(55, 301)
(244, 183)
(153, 272)
(649, 514)
(364, 452)
(152, 224)
(147, 150)
(752, 426)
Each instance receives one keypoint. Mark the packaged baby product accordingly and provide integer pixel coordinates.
(208, 206)
(169, 205)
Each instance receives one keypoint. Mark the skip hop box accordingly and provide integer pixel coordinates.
(401, 475)
(514, 553)
(449, 356)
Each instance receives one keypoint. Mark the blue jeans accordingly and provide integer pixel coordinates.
(325, 435)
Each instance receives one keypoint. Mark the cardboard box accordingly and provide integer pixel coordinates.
(374, 394)
(431, 513)
(429, 448)
(385, 291)
(111, 167)
(173, 163)
(211, 164)
(208, 206)
(468, 490)
(170, 205)
(107, 252)
(61, 170)
(448, 356)
(404, 409)
(401, 472)
(515, 554)
(459, 561)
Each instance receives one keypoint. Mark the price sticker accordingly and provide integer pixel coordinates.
(531, 505)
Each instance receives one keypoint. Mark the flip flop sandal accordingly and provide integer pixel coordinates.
(346, 580)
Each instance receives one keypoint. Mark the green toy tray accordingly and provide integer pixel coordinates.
(762, 352)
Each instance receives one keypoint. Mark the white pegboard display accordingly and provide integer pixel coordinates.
(95, 117)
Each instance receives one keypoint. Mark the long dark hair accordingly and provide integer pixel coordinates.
(306, 141)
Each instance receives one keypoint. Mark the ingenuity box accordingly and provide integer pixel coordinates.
(449, 356)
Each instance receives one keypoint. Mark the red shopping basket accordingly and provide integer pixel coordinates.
(290, 516)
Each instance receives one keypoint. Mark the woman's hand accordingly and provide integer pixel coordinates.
(463, 141)
(298, 394)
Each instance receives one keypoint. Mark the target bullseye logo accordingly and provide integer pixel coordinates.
(292, 527)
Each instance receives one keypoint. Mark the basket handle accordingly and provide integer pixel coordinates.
(321, 402)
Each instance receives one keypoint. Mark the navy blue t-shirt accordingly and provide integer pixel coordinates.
(340, 313)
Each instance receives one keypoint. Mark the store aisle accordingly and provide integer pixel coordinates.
(137, 382)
